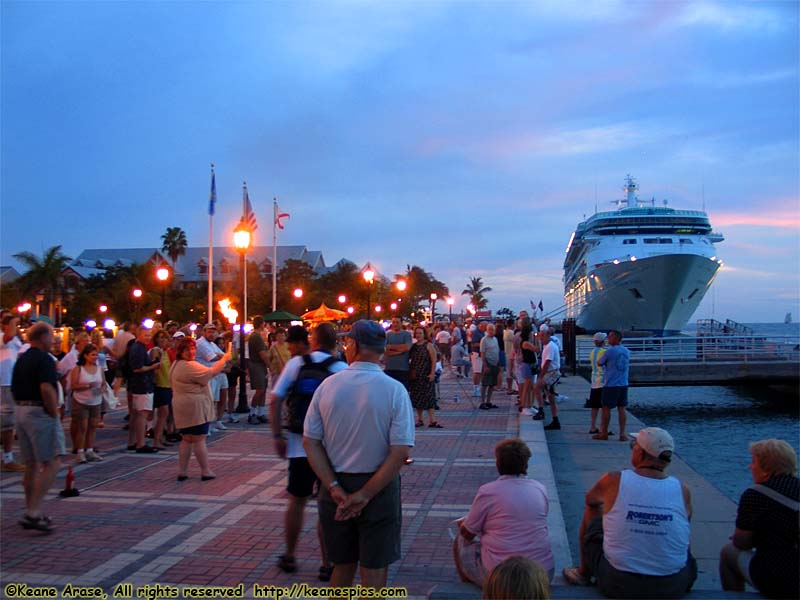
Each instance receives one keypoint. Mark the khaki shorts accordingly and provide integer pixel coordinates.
(142, 401)
(477, 363)
(41, 437)
(85, 411)
(7, 407)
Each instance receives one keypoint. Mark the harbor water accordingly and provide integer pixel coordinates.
(713, 425)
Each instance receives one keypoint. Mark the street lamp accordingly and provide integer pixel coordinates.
(241, 240)
(369, 277)
(298, 293)
(450, 302)
(378, 308)
(401, 285)
(103, 308)
(342, 298)
(137, 295)
(162, 274)
(393, 306)
(434, 296)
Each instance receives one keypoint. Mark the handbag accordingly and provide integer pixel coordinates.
(109, 399)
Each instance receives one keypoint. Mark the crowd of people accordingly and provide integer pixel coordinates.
(343, 407)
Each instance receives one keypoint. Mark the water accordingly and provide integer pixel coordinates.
(713, 425)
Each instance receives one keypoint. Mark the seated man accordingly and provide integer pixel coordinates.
(634, 537)
(510, 516)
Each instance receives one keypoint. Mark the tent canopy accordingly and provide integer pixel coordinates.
(281, 315)
(324, 313)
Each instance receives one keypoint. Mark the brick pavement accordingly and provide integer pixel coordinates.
(133, 522)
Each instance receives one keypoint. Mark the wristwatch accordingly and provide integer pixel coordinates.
(332, 485)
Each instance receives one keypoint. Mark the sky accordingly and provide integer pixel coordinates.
(466, 137)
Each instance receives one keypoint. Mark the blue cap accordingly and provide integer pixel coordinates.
(368, 333)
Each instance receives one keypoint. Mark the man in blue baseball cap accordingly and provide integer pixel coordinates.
(357, 434)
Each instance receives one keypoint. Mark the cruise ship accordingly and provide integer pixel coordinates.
(641, 267)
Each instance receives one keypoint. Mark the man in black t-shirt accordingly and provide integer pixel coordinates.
(41, 437)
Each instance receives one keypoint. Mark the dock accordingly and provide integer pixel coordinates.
(133, 523)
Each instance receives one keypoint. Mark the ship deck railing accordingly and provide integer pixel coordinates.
(703, 349)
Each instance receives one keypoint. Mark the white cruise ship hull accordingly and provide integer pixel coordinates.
(658, 294)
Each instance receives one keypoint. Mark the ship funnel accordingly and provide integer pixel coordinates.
(630, 191)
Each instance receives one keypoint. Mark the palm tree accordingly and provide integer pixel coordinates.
(174, 244)
(44, 274)
(475, 290)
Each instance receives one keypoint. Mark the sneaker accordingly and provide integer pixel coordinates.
(539, 416)
(12, 467)
(221, 425)
(212, 429)
(287, 564)
(554, 424)
(484, 406)
(526, 412)
(93, 456)
(263, 419)
(252, 420)
(81, 456)
(476, 394)
(146, 450)
(232, 419)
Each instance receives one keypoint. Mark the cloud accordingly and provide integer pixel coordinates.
(728, 17)
(731, 80)
(780, 219)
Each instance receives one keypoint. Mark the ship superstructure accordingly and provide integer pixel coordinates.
(641, 267)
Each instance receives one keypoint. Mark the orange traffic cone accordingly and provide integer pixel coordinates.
(69, 491)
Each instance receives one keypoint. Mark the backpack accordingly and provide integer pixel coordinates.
(124, 362)
(309, 377)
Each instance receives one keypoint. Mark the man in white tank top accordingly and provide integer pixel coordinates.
(634, 537)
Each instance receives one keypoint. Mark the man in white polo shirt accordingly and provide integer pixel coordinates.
(357, 435)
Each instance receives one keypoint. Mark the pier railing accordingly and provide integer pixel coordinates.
(703, 349)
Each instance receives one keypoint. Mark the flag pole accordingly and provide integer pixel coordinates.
(274, 254)
(244, 275)
(211, 202)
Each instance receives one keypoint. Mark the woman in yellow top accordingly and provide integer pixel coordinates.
(162, 393)
(278, 355)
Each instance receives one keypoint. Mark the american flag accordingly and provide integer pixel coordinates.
(249, 215)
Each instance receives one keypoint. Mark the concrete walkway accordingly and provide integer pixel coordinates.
(134, 523)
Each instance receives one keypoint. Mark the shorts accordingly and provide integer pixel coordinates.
(525, 370)
(301, 477)
(223, 381)
(489, 375)
(477, 363)
(373, 537)
(142, 401)
(214, 386)
(85, 411)
(233, 377)
(444, 350)
(401, 376)
(613, 583)
(41, 437)
(258, 375)
(7, 407)
(502, 362)
(595, 398)
(195, 429)
(615, 396)
(162, 397)
(551, 377)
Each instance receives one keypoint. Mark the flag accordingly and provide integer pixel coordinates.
(541, 306)
(249, 215)
(213, 198)
(280, 215)
(533, 306)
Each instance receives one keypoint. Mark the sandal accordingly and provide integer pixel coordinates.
(435, 425)
(600, 436)
(287, 564)
(325, 573)
(419, 424)
(593, 431)
(573, 576)
(39, 523)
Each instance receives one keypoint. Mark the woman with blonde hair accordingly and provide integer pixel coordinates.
(764, 546)
(517, 578)
(192, 405)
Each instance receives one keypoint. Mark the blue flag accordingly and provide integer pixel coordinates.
(213, 198)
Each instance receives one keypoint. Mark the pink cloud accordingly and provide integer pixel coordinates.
(782, 213)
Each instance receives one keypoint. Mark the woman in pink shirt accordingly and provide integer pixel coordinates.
(508, 518)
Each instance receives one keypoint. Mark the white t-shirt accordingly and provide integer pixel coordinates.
(550, 352)
(8, 356)
(294, 441)
(443, 337)
(358, 414)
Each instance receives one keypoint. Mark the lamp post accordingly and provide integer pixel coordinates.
(241, 240)
(162, 274)
(434, 296)
(137, 294)
(369, 277)
(450, 302)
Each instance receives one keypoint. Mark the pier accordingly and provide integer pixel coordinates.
(706, 360)
(134, 524)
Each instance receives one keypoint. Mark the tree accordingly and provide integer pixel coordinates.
(174, 244)
(419, 286)
(476, 290)
(44, 275)
(296, 274)
(506, 313)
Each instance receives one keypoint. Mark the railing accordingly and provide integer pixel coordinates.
(703, 349)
